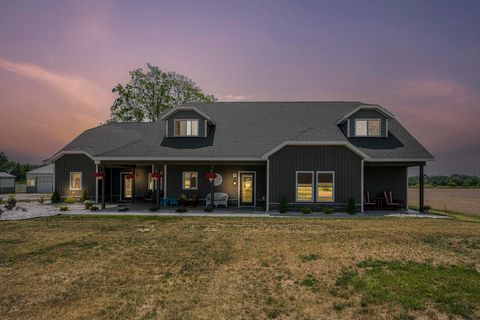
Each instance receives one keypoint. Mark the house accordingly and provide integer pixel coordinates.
(309, 153)
(40, 180)
(7, 183)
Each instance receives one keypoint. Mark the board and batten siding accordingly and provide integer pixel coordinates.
(284, 164)
(186, 115)
(75, 163)
(369, 114)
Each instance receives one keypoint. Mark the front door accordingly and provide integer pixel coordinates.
(127, 186)
(247, 189)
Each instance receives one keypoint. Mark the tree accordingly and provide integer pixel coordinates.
(19, 170)
(150, 93)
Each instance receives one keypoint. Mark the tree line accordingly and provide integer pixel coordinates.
(19, 170)
(455, 180)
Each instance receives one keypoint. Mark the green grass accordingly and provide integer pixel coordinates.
(453, 289)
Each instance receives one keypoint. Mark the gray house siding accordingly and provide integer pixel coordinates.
(7, 185)
(369, 114)
(74, 163)
(186, 115)
(284, 164)
(378, 179)
(174, 181)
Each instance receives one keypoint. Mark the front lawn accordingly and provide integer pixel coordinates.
(238, 268)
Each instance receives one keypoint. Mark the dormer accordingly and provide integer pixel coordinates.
(186, 122)
(366, 121)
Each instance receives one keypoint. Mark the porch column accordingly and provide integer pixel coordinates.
(134, 190)
(267, 198)
(103, 188)
(362, 182)
(96, 184)
(421, 188)
(164, 181)
(157, 186)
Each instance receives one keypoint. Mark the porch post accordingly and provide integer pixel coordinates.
(362, 186)
(164, 181)
(157, 185)
(96, 184)
(103, 188)
(267, 198)
(212, 198)
(134, 190)
(421, 188)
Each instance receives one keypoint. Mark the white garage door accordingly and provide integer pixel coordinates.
(44, 184)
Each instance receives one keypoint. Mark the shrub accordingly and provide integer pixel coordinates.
(55, 197)
(283, 205)
(41, 199)
(88, 204)
(123, 209)
(63, 208)
(180, 210)
(327, 210)
(93, 208)
(69, 200)
(351, 207)
(11, 202)
(153, 209)
(84, 196)
(305, 210)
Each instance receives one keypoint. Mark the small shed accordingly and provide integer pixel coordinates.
(40, 180)
(7, 183)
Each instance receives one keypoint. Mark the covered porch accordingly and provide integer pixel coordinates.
(385, 186)
(181, 183)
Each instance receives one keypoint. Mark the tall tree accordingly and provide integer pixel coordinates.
(150, 93)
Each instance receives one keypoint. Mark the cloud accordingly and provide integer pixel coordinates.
(231, 97)
(75, 87)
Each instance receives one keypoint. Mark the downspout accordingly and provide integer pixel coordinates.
(361, 187)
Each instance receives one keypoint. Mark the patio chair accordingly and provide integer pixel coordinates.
(390, 202)
(173, 202)
(219, 199)
(368, 203)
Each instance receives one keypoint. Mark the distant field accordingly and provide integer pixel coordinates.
(452, 199)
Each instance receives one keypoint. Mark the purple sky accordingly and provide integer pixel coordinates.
(420, 59)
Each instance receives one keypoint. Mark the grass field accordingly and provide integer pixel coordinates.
(450, 199)
(213, 268)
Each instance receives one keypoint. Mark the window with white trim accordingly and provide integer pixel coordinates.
(190, 181)
(367, 127)
(325, 186)
(186, 128)
(75, 181)
(304, 186)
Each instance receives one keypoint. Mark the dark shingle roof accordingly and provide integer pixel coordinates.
(245, 130)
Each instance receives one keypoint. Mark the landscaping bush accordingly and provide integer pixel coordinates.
(55, 197)
(63, 208)
(69, 200)
(11, 202)
(84, 196)
(351, 207)
(327, 210)
(94, 208)
(180, 210)
(153, 209)
(88, 204)
(283, 205)
(305, 210)
(123, 209)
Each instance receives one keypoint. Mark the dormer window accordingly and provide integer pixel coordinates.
(186, 128)
(367, 127)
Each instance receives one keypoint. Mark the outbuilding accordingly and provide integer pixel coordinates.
(40, 180)
(7, 183)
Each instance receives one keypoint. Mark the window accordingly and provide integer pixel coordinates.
(190, 180)
(186, 128)
(325, 186)
(31, 182)
(75, 181)
(367, 128)
(304, 186)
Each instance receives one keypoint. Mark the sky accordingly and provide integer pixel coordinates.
(59, 61)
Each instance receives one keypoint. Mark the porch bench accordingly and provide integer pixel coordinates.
(219, 198)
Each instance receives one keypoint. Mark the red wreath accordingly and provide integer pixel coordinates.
(157, 175)
(99, 175)
(130, 176)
